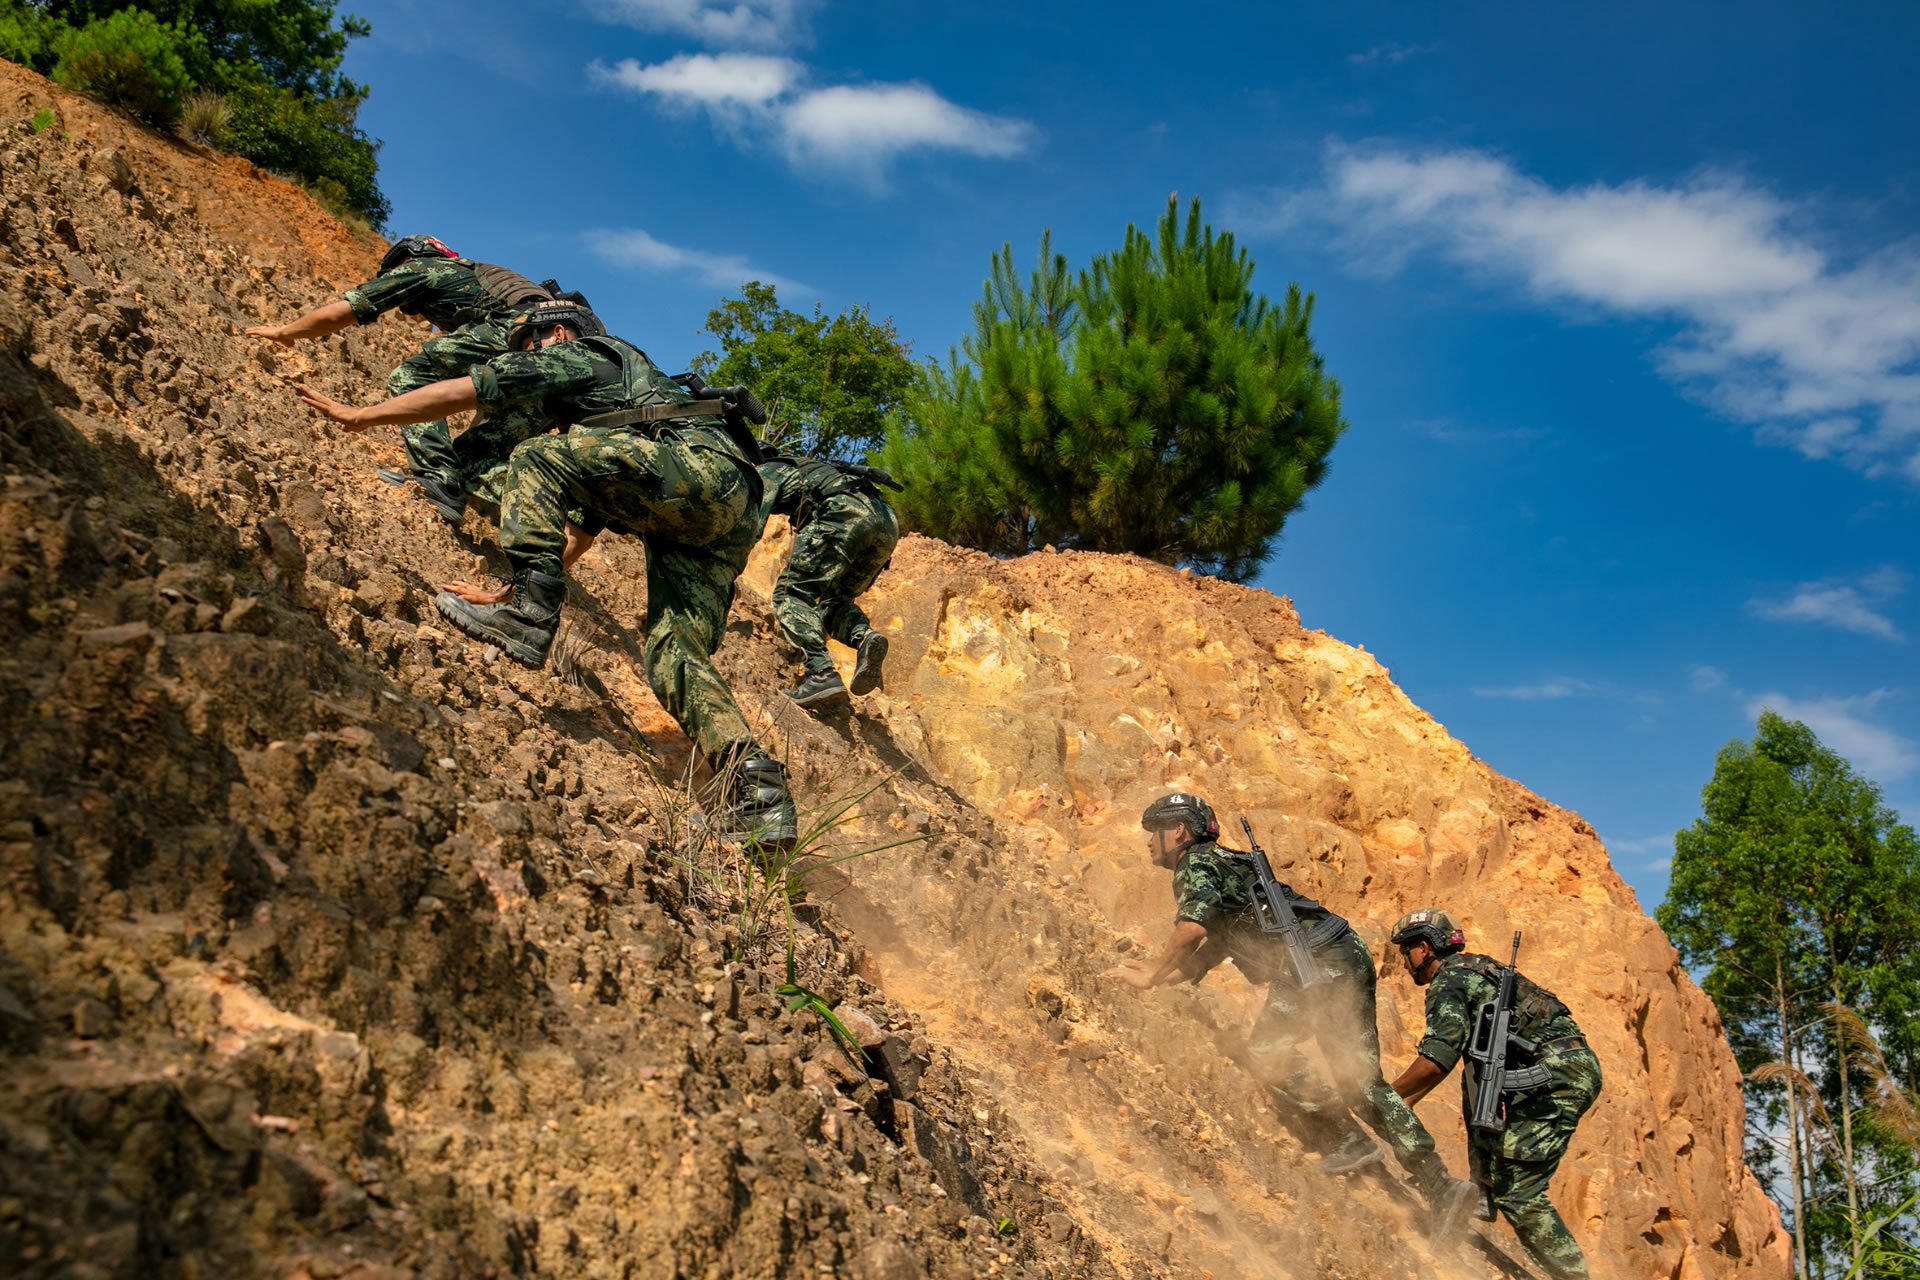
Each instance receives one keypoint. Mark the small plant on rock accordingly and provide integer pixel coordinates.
(204, 119)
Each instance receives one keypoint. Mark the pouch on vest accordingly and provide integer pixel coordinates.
(502, 286)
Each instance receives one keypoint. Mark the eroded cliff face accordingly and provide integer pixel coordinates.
(334, 944)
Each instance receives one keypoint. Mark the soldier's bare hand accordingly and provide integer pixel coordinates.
(327, 406)
(271, 332)
(1131, 972)
(474, 594)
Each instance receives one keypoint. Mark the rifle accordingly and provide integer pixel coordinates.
(1493, 1039)
(1276, 913)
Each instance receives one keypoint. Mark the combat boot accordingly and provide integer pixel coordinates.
(818, 689)
(867, 660)
(523, 624)
(449, 501)
(1449, 1200)
(759, 807)
(1356, 1151)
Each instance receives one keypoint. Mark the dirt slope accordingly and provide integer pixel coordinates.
(331, 945)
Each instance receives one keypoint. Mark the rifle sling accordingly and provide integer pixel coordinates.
(657, 413)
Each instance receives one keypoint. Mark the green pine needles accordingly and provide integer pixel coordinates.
(1153, 404)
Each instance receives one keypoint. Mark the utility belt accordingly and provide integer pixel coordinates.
(656, 413)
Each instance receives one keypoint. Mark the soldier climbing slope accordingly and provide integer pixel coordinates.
(640, 456)
(1215, 920)
(470, 302)
(1515, 1165)
(843, 535)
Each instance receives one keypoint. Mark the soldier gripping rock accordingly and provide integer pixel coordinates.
(471, 303)
(1513, 1166)
(1216, 919)
(843, 535)
(640, 456)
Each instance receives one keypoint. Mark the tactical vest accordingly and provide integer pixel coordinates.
(823, 480)
(616, 359)
(507, 290)
(1533, 1005)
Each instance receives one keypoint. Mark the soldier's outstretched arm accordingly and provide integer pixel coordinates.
(317, 323)
(422, 404)
(1418, 1080)
(1181, 946)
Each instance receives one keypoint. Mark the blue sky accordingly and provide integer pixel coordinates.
(1625, 299)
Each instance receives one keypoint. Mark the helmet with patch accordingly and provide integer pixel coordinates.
(1430, 925)
(546, 314)
(1181, 809)
(407, 248)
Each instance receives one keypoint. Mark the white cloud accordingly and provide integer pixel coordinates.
(1851, 606)
(715, 81)
(632, 247)
(1842, 725)
(757, 23)
(1819, 354)
(861, 126)
(1557, 687)
(1390, 54)
(1706, 679)
(852, 129)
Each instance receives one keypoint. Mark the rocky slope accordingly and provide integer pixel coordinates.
(332, 944)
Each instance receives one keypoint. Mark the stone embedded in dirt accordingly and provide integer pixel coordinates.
(901, 1066)
(91, 1019)
(248, 617)
(865, 1031)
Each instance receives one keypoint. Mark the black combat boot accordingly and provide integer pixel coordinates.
(1356, 1151)
(867, 660)
(523, 624)
(818, 689)
(758, 806)
(449, 501)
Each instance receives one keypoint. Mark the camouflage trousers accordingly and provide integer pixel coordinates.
(1517, 1164)
(693, 507)
(835, 559)
(1337, 1017)
(476, 462)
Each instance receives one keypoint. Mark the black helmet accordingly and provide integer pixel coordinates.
(1430, 925)
(1181, 810)
(546, 314)
(407, 248)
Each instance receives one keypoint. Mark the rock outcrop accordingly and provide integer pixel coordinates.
(334, 944)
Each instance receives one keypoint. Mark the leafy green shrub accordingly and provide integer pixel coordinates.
(42, 120)
(315, 142)
(30, 37)
(131, 61)
(204, 118)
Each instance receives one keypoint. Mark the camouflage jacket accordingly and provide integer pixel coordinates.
(1458, 992)
(570, 381)
(445, 292)
(1210, 889)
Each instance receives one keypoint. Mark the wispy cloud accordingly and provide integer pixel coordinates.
(761, 24)
(1557, 687)
(855, 130)
(1388, 54)
(715, 81)
(1816, 353)
(632, 247)
(1655, 852)
(1842, 724)
(1837, 602)
(1706, 679)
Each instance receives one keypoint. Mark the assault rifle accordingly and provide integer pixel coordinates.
(1493, 1040)
(1276, 913)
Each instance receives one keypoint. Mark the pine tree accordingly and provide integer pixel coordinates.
(1154, 404)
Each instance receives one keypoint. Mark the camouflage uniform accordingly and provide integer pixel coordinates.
(1517, 1164)
(1338, 1017)
(474, 331)
(682, 486)
(844, 534)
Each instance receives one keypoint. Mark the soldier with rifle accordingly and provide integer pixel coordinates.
(1529, 1077)
(1320, 990)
